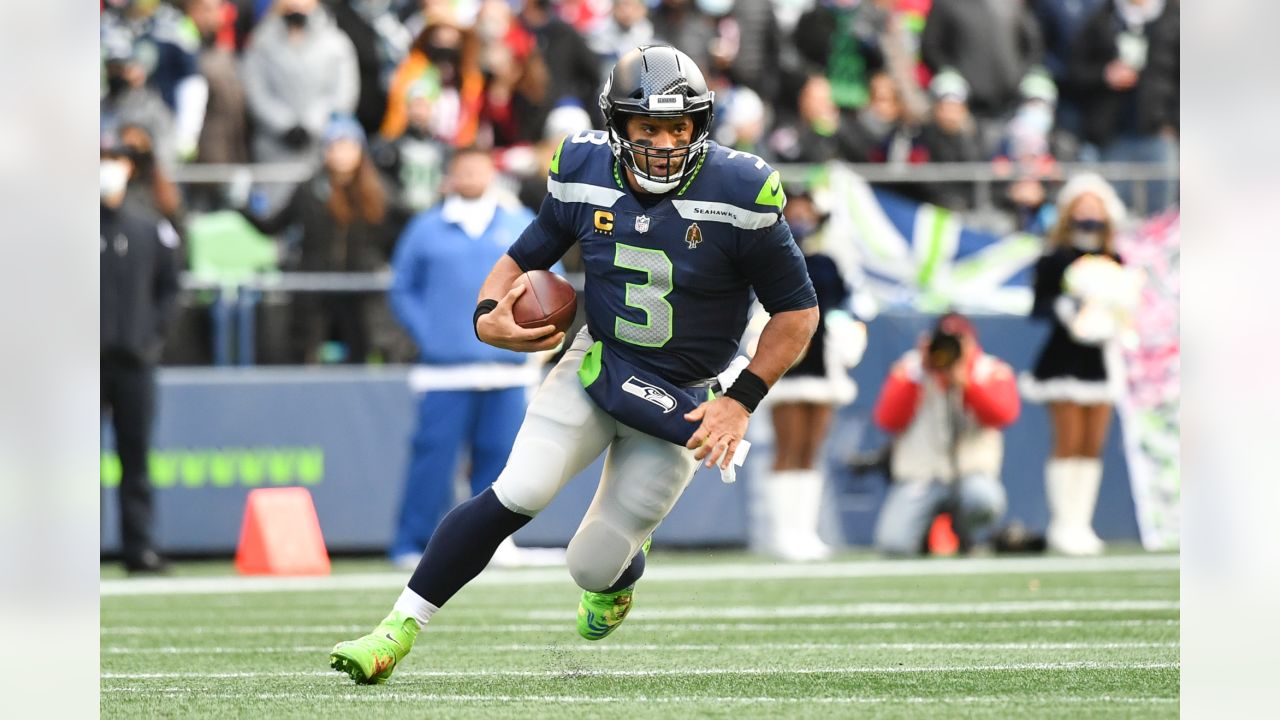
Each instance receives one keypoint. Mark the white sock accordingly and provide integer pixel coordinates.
(412, 604)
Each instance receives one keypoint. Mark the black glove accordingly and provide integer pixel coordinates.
(296, 137)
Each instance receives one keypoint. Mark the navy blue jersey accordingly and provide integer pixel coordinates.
(669, 286)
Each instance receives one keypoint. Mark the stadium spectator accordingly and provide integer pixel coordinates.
(348, 224)
(627, 26)
(224, 134)
(804, 400)
(742, 125)
(1060, 22)
(946, 402)
(890, 139)
(518, 88)
(151, 194)
(1125, 66)
(1028, 155)
(563, 123)
(166, 46)
(381, 42)
(838, 39)
(138, 285)
(684, 26)
(473, 394)
(572, 70)
(451, 55)
(299, 70)
(897, 25)
(415, 161)
(1074, 375)
(128, 99)
(820, 132)
(747, 47)
(950, 137)
(992, 44)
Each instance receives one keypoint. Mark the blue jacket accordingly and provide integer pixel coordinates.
(438, 271)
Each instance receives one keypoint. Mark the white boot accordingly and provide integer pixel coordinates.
(1087, 479)
(1071, 487)
(793, 499)
(808, 510)
(1058, 474)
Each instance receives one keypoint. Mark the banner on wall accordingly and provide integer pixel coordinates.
(1149, 411)
(919, 256)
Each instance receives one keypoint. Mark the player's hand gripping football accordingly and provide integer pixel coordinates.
(498, 327)
(724, 423)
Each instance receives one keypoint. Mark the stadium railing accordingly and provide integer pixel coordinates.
(233, 305)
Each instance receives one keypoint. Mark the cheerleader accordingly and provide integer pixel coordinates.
(1081, 288)
(803, 401)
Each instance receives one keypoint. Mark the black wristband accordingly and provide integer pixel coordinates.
(748, 390)
(482, 307)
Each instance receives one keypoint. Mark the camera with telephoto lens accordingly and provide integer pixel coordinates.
(943, 350)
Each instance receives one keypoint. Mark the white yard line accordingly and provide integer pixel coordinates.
(551, 626)
(399, 696)
(650, 647)
(660, 573)
(670, 672)
(713, 612)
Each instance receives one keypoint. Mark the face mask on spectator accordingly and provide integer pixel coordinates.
(715, 8)
(443, 56)
(1086, 235)
(116, 84)
(113, 177)
(801, 229)
(295, 20)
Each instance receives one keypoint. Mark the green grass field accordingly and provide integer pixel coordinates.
(712, 635)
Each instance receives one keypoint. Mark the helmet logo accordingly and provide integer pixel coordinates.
(666, 103)
(693, 236)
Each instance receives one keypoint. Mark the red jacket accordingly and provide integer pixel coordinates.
(990, 393)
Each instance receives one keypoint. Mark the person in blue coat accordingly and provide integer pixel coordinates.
(472, 394)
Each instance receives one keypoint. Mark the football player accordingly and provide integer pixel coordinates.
(678, 235)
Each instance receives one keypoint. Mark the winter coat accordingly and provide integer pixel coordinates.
(1149, 105)
(298, 84)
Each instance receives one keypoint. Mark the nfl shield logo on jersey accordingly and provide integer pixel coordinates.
(642, 224)
(693, 236)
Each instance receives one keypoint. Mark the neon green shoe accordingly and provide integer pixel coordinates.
(601, 613)
(372, 658)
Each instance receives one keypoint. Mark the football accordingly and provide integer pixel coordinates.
(550, 300)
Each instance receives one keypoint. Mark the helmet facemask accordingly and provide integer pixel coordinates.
(658, 170)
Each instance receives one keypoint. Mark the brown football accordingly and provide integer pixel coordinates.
(550, 300)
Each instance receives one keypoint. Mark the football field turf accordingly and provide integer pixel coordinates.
(711, 635)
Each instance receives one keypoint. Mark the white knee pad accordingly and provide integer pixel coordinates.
(597, 555)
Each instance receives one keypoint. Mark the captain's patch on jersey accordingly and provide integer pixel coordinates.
(652, 393)
(693, 236)
(604, 222)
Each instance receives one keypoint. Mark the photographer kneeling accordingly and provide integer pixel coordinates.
(946, 402)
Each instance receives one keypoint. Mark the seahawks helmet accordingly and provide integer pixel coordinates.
(662, 82)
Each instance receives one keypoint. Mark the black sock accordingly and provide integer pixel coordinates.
(630, 575)
(462, 545)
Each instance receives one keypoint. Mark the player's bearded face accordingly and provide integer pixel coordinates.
(665, 141)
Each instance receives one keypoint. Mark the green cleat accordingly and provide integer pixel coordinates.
(371, 659)
(601, 613)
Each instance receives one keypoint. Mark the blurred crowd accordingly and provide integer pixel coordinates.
(377, 94)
